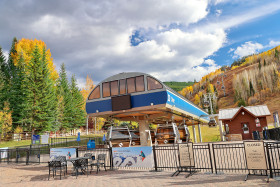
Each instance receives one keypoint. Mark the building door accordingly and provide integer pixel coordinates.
(246, 134)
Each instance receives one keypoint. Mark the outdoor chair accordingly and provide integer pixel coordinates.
(81, 164)
(63, 161)
(99, 162)
(54, 166)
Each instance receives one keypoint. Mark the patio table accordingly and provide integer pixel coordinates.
(79, 163)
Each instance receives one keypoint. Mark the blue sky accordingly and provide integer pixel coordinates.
(175, 40)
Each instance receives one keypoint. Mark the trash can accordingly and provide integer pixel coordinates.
(91, 144)
(256, 135)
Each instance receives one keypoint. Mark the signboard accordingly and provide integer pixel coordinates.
(255, 155)
(45, 139)
(186, 155)
(133, 157)
(68, 152)
(4, 153)
(35, 139)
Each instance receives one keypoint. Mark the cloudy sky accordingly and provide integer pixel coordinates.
(179, 40)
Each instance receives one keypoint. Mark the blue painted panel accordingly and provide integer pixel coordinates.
(101, 106)
(136, 101)
(146, 99)
(178, 102)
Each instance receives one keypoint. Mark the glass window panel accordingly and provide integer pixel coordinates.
(122, 87)
(153, 84)
(140, 84)
(106, 89)
(114, 88)
(130, 85)
(95, 94)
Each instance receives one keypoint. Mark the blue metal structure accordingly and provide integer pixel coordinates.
(146, 98)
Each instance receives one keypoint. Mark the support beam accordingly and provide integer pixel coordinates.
(143, 126)
(199, 133)
(221, 131)
(194, 134)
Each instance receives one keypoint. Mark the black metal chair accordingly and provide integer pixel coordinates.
(54, 166)
(81, 164)
(63, 161)
(101, 159)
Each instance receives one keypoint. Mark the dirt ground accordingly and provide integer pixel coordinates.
(37, 175)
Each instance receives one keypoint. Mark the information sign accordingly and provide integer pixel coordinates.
(255, 155)
(186, 155)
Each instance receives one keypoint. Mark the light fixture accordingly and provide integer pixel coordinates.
(97, 111)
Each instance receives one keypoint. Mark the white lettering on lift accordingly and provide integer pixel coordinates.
(171, 99)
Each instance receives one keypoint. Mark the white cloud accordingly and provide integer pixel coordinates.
(93, 37)
(247, 48)
(250, 47)
(209, 62)
(273, 43)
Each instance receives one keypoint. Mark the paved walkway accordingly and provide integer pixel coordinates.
(37, 175)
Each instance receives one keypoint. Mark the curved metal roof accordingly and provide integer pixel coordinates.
(125, 75)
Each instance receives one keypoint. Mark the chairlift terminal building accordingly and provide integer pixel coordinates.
(143, 98)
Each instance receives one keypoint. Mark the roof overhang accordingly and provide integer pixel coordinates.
(157, 114)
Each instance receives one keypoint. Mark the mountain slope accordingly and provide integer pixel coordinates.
(252, 80)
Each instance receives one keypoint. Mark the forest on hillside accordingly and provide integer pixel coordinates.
(251, 80)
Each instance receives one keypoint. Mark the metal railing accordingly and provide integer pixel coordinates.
(208, 157)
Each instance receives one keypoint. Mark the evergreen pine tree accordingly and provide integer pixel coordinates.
(66, 103)
(3, 69)
(79, 114)
(41, 99)
(7, 69)
(47, 98)
(18, 94)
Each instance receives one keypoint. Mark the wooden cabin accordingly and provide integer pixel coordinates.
(240, 123)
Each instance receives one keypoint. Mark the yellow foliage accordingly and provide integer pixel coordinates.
(234, 67)
(25, 48)
(211, 88)
(18, 130)
(196, 99)
(88, 88)
(5, 119)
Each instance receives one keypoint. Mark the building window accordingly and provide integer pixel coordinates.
(95, 94)
(114, 88)
(153, 84)
(140, 86)
(131, 85)
(122, 87)
(106, 89)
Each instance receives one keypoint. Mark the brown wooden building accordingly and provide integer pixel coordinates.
(243, 121)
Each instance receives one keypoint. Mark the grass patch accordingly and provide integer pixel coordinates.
(28, 142)
(209, 134)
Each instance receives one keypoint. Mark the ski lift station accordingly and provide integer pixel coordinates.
(144, 99)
